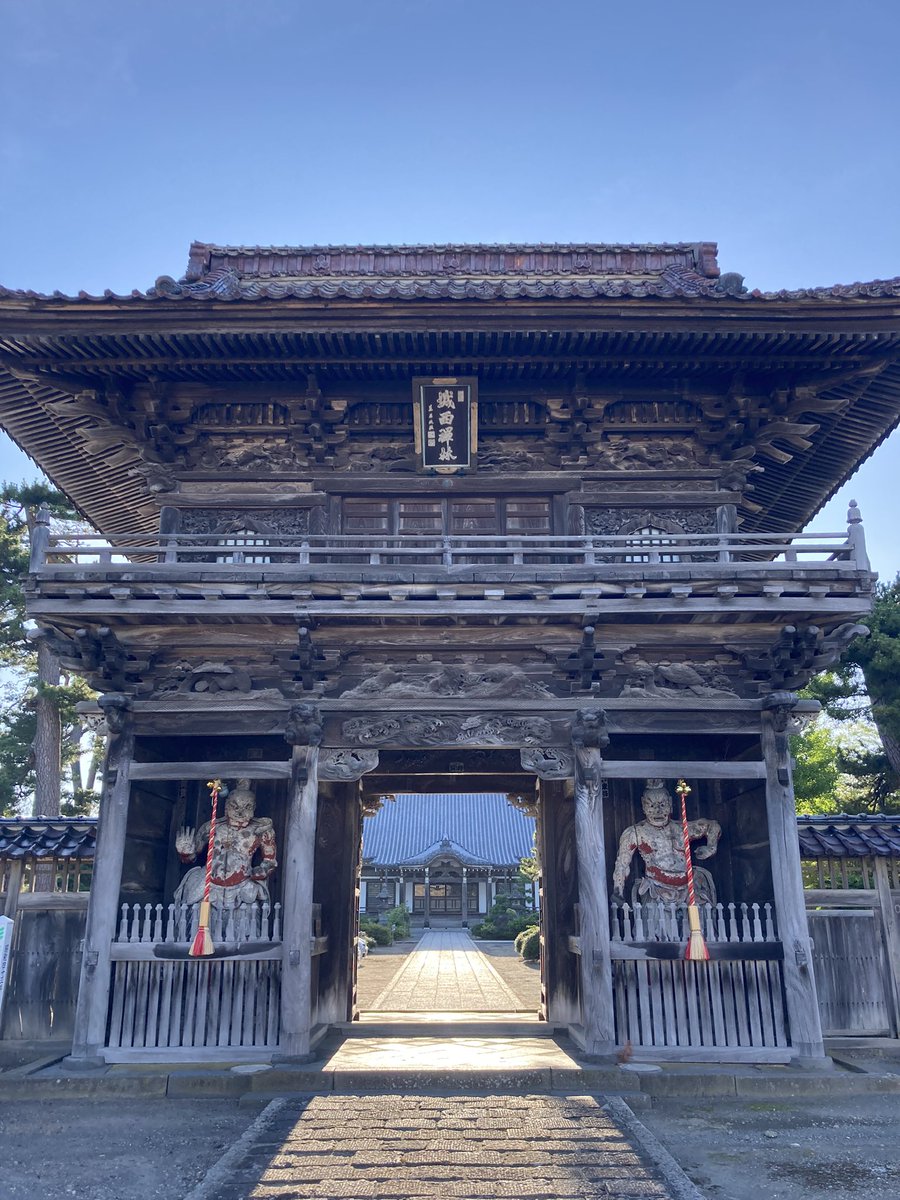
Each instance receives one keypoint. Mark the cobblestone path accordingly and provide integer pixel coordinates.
(447, 972)
(388, 1147)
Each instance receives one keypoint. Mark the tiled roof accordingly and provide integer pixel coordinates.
(48, 838)
(485, 828)
(847, 836)
(479, 828)
(583, 271)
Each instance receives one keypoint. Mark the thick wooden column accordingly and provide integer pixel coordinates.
(597, 1013)
(556, 841)
(891, 927)
(304, 731)
(89, 1037)
(464, 898)
(338, 837)
(790, 906)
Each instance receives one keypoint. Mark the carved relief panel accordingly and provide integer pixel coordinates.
(288, 521)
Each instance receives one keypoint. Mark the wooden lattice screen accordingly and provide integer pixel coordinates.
(734, 1002)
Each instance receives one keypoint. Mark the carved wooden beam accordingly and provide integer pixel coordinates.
(549, 763)
(346, 765)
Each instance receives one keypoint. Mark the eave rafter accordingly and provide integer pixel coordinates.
(773, 376)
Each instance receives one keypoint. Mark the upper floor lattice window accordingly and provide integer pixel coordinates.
(651, 537)
(243, 544)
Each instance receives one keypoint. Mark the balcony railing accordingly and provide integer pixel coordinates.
(280, 555)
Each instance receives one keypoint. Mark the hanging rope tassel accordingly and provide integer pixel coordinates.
(202, 944)
(697, 950)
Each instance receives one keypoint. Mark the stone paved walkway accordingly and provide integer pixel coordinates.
(388, 1147)
(447, 972)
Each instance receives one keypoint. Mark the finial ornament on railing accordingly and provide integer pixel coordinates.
(40, 538)
(856, 538)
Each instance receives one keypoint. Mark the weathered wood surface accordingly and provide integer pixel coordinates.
(598, 1019)
(890, 927)
(163, 998)
(45, 966)
(241, 769)
(12, 899)
(721, 952)
(852, 974)
(721, 1006)
(194, 1003)
(337, 856)
(67, 607)
(559, 897)
(799, 978)
(654, 768)
(455, 550)
(840, 898)
(297, 866)
(89, 1035)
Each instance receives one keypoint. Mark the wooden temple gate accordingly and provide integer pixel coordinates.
(526, 517)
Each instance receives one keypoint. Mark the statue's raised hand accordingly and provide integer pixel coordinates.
(184, 841)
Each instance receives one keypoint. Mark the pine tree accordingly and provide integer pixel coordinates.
(40, 730)
(865, 686)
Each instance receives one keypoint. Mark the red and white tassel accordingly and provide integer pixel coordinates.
(202, 945)
(697, 950)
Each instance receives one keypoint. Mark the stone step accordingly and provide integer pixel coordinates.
(385, 1027)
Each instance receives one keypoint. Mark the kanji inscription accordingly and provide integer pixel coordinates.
(445, 423)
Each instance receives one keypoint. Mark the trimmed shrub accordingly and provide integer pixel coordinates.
(380, 934)
(531, 946)
(502, 927)
(399, 918)
(520, 937)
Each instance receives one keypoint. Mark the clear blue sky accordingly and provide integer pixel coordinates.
(130, 127)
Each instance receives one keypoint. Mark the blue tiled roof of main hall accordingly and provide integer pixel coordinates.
(481, 827)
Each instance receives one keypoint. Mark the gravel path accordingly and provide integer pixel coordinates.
(785, 1149)
(125, 1149)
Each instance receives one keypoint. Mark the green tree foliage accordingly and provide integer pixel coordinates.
(816, 773)
(530, 866)
(867, 680)
(24, 693)
(852, 764)
(872, 780)
(841, 767)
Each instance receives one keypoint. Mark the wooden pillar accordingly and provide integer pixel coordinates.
(304, 732)
(464, 909)
(891, 927)
(14, 876)
(597, 1013)
(89, 1037)
(338, 837)
(427, 920)
(556, 842)
(790, 907)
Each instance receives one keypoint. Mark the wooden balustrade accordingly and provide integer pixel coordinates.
(181, 551)
(163, 1001)
(698, 1009)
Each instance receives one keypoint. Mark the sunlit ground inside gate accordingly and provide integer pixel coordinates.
(445, 974)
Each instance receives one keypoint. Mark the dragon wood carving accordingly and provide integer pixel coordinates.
(414, 729)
